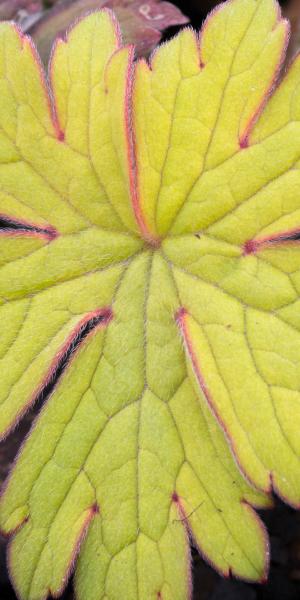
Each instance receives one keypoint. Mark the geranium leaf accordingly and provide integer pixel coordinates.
(11, 9)
(149, 278)
(141, 23)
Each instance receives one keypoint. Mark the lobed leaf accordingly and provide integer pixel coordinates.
(149, 273)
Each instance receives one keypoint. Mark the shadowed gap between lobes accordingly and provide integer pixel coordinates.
(253, 245)
(66, 357)
(10, 225)
(286, 238)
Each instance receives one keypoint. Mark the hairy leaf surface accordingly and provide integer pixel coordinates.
(150, 267)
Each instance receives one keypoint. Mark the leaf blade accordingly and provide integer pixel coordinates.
(177, 90)
(142, 332)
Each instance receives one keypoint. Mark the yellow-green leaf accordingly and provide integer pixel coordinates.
(149, 285)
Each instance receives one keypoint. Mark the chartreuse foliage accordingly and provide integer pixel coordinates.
(150, 265)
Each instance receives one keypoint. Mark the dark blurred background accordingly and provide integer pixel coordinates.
(282, 522)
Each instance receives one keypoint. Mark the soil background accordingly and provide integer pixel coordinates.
(282, 522)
